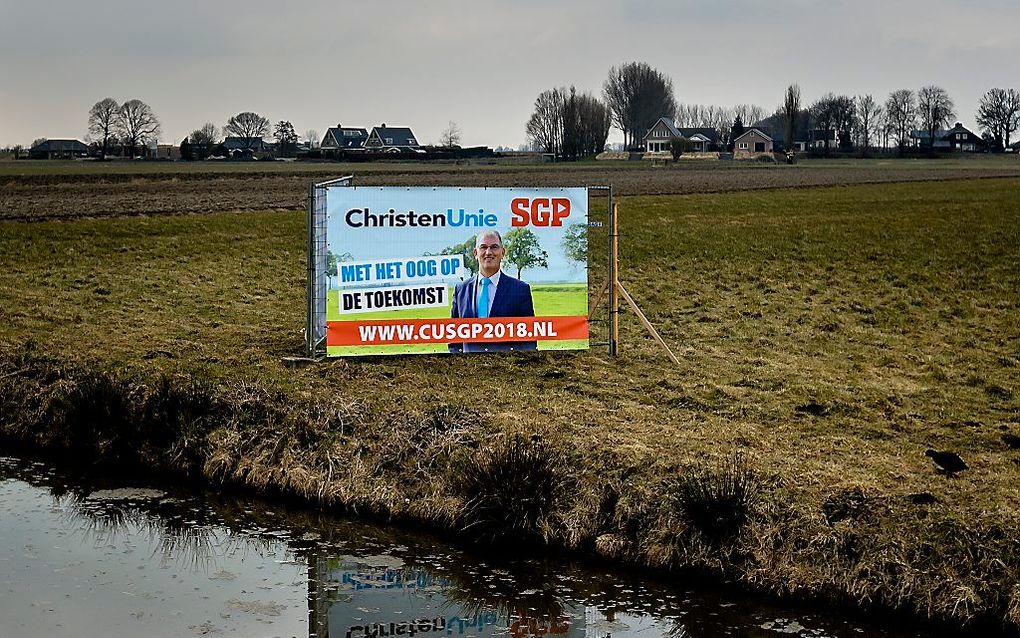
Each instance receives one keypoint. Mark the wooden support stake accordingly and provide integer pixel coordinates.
(617, 290)
(598, 299)
(644, 320)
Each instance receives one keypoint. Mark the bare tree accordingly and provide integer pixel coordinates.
(103, 121)
(569, 124)
(888, 128)
(312, 137)
(935, 108)
(688, 115)
(844, 111)
(901, 109)
(286, 138)
(136, 124)
(749, 114)
(450, 136)
(544, 127)
(835, 113)
(999, 114)
(721, 119)
(868, 121)
(790, 111)
(637, 96)
(248, 126)
(207, 136)
(586, 121)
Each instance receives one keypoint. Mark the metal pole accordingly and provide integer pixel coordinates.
(310, 284)
(614, 301)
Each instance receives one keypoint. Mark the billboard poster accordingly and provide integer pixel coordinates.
(454, 270)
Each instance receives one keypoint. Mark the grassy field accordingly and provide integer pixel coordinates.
(827, 337)
(125, 168)
(41, 190)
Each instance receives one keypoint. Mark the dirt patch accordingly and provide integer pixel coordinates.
(41, 197)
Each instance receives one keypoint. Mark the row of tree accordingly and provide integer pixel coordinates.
(568, 124)
(862, 122)
(250, 129)
(637, 95)
(131, 124)
(134, 124)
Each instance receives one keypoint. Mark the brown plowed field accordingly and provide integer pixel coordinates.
(63, 196)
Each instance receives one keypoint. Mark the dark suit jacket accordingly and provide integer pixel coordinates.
(513, 299)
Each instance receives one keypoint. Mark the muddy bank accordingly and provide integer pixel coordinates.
(446, 468)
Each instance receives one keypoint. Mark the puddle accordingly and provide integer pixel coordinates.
(94, 558)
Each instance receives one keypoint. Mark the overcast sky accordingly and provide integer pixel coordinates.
(479, 63)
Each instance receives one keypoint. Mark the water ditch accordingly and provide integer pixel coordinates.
(88, 556)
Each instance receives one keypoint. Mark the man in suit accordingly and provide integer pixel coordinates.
(491, 293)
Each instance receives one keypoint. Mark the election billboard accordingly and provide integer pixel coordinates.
(455, 270)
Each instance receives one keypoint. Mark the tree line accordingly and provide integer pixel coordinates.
(572, 125)
(130, 126)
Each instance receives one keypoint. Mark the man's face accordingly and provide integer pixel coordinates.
(489, 253)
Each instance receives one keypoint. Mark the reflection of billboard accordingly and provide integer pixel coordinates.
(417, 270)
(372, 602)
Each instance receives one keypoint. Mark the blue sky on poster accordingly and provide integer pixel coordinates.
(479, 63)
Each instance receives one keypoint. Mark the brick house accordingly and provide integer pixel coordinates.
(752, 143)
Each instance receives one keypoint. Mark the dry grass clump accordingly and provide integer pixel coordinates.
(241, 432)
(716, 501)
(101, 417)
(888, 553)
(510, 491)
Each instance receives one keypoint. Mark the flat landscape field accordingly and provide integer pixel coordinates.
(827, 337)
(37, 190)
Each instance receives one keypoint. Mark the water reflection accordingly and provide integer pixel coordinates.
(246, 567)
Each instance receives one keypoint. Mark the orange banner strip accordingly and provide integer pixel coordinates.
(493, 330)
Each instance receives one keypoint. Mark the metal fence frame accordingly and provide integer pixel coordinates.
(315, 325)
(611, 268)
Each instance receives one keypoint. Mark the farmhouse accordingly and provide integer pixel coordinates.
(921, 139)
(236, 146)
(391, 139)
(341, 138)
(656, 140)
(752, 143)
(59, 149)
(822, 138)
(698, 140)
(960, 138)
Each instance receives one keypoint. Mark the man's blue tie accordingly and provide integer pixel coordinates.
(483, 299)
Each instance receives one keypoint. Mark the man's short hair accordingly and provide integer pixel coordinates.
(486, 233)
